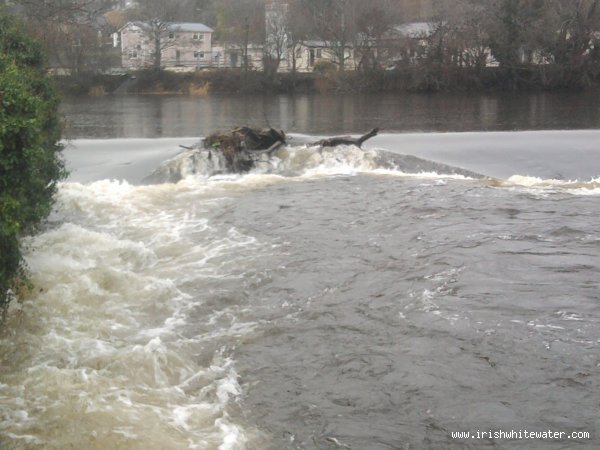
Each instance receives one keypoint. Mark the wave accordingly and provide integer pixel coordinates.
(552, 185)
(119, 346)
(307, 161)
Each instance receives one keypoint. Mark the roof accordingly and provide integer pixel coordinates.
(175, 26)
(417, 29)
(321, 44)
(190, 26)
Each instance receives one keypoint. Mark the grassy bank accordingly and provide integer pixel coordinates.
(417, 78)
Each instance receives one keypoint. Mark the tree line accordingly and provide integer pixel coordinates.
(558, 39)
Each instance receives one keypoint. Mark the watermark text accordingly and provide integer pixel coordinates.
(520, 434)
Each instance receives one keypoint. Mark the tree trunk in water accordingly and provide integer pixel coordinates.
(347, 140)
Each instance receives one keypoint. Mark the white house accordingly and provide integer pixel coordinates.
(181, 45)
(232, 56)
(307, 55)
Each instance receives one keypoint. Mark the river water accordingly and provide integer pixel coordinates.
(340, 299)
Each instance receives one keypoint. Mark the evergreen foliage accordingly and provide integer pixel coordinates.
(30, 160)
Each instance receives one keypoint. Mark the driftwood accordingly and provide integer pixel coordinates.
(346, 140)
(240, 145)
(243, 148)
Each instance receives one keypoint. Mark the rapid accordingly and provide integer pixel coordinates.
(338, 299)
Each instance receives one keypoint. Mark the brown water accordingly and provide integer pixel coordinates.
(331, 300)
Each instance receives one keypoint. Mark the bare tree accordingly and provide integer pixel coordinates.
(240, 23)
(156, 18)
(472, 39)
(575, 24)
(300, 28)
(375, 32)
(458, 36)
(277, 35)
(72, 31)
(334, 22)
(63, 11)
(510, 26)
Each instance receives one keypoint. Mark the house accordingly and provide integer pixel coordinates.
(231, 56)
(416, 40)
(307, 55)
(183, 45)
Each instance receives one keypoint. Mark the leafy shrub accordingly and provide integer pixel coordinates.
(30, 162)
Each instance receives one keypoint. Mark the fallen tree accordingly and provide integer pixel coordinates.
(347, 140)
(242, 147)
(238, 150)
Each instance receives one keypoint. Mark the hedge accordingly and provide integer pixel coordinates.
(30, 149)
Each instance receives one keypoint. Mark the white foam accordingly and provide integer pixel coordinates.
(421, 175)
(574, 187)
(101, 347)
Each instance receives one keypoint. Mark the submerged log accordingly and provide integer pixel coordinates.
(346, 140)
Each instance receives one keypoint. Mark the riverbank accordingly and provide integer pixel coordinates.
(421, 78)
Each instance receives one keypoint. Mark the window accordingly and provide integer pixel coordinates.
(199, 55)
(132, 54)
(198, 36)
(319, 53)
(139, 46)
(171, 35)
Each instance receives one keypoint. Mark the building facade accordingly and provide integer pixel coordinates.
(180, 45)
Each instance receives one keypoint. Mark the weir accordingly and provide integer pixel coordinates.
(244, 150)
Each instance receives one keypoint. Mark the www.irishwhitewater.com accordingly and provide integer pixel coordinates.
(520, 434)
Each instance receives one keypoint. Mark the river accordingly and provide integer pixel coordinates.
(330, 301)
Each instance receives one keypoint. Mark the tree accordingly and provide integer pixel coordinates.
(459, 36)
(334, 22)
(30, 161)
(375, 27)
(471, 33)
(277, 35)
(511, 25)
(73, 32)
(156, 18)
(575, 24)
(299, 31)
(61, 11)
(241, 23)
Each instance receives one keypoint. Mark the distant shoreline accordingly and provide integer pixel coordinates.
(412, 79)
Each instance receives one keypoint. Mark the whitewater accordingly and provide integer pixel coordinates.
(331, 298)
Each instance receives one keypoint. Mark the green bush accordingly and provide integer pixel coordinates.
(30, 160)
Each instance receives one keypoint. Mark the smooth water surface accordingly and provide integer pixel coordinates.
(179, 116)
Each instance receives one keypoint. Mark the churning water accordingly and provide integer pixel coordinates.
(335, 300)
